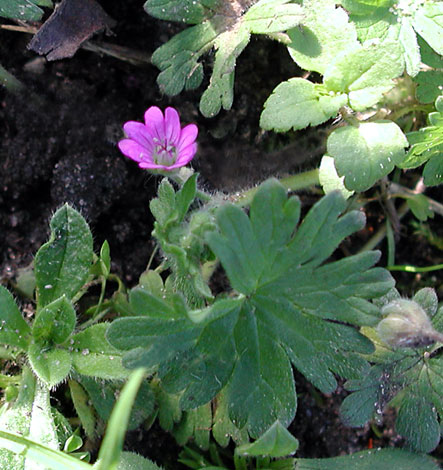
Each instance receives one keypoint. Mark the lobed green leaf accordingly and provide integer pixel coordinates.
(298, 103)
(365, 72)
(429, 85)
(325, 32)
(365, 154)
(287, 295)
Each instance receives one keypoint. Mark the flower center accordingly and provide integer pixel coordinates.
(164, 153)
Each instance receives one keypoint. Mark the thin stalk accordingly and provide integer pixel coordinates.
(290, 183)
(407, 268)
(381, 233)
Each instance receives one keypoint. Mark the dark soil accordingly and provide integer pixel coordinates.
(58, 144)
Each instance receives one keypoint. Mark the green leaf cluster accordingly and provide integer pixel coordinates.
(406, 22)
(223, 26)
(54, 345)
(182, 243)
(407, 378)
(29, 416)
(288, 306)
(427, 147)
(25, 450)
(357, 69)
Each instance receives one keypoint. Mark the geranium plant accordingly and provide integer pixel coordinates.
(214, 364)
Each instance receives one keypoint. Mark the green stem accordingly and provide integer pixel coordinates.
(381, 233)
(94, 320)
(204, 197)
(407, 268)
(349, 117)
(290, 183)
(6, 380)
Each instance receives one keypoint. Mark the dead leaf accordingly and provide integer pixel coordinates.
(72, 23)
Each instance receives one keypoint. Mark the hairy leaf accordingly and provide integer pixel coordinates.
(286, 295)
(182, 243)
(51, 365)
(62, 264)
(413, 376)
(14, 331)
(93, 356)
(55, 322)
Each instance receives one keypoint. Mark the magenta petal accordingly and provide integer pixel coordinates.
(133, 150)
(138, 132)
(186, 155)
(188, 135)
(153, 166)
(155, 123)
(172, 126)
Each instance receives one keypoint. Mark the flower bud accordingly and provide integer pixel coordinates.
(406, 325)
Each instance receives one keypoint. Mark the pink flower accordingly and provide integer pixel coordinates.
(160, 143)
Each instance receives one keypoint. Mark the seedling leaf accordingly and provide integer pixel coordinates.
(54, 323)
(276, 442)
(62, 264)
(92, 355)
(51, 366)
(14, 331)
